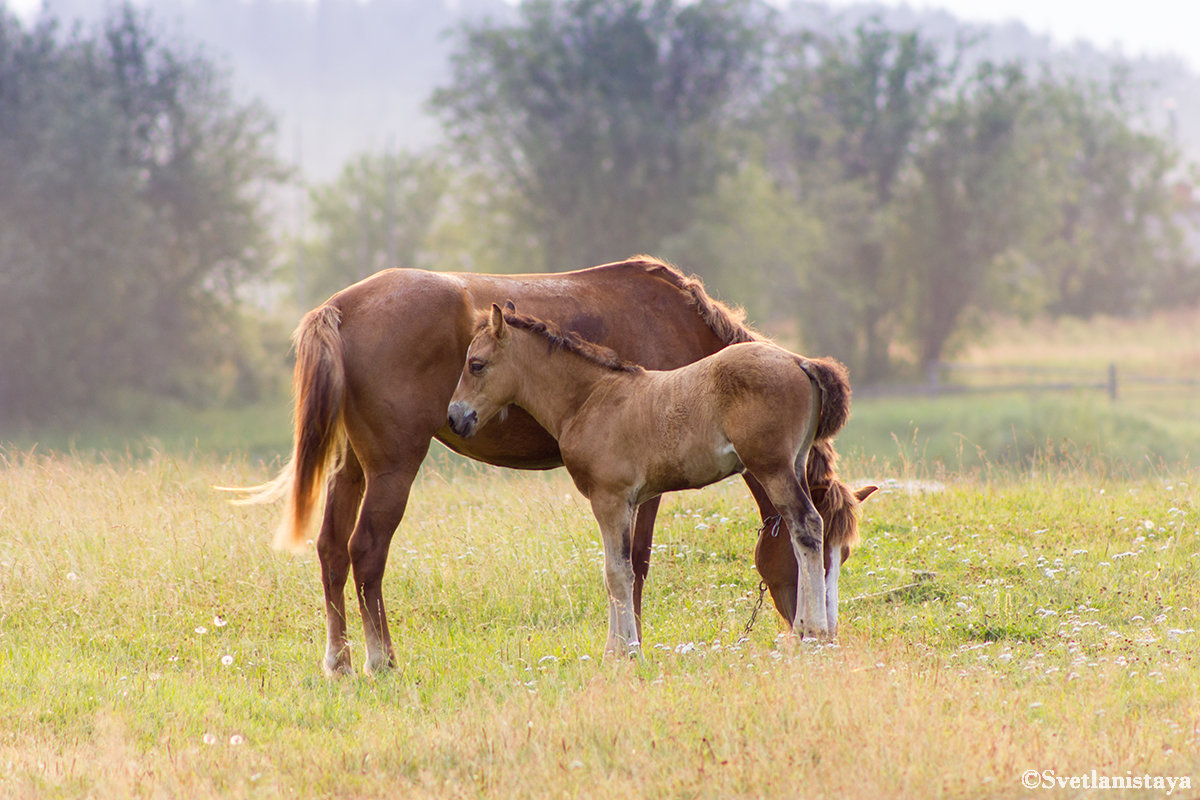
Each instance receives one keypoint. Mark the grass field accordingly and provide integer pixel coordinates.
(152, 645)
(1025, 599)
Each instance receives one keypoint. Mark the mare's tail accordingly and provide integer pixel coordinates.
(833, 379)
(318, 386)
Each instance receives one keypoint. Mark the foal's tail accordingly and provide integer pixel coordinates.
(318, 385)
(833, 379)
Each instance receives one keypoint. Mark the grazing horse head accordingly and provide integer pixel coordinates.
(776, 563)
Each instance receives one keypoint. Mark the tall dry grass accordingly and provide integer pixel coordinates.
(152, 645)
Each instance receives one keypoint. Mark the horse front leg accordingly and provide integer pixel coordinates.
(615, 517)
(341, 510)
(643, 538)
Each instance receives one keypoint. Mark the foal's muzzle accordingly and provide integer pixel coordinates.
(462, 419)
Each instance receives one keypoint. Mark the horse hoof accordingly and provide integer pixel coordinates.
(812, 632)
(380, 667)
(338, 670)
(629, 652)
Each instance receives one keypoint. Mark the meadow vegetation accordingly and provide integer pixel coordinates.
(1028, 608)
(152, 644)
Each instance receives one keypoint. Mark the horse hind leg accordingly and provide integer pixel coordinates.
(341, 510)
(788, 492)
(773, 556)
(808, 544)
(383, 507)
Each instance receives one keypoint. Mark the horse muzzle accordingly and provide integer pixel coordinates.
(462, 419)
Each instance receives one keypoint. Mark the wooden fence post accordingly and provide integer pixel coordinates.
(933, 376)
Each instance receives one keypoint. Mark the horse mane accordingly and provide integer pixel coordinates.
(727, 324)
(558, 339)
(833, 498)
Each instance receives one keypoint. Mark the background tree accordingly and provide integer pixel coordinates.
(379, 213)
(846, 117)
(1121, 192)
(599, 122)
(130, 212)
(1043, 196)
(753, 243)
(972, 197)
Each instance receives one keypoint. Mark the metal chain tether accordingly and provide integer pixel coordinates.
(771, 522)
(762, 593)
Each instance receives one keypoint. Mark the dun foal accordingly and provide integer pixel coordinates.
(628, 435)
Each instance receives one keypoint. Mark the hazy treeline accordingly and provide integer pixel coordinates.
(869, 191)
(132, 193)
(344, 76)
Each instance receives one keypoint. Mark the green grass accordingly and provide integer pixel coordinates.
(1011, 434)
(151, 644)
(1018, 433)
(146, 426)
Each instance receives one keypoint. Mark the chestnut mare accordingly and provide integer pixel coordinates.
(376, 365)
(628, 435)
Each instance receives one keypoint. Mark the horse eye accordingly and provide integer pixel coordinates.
(476, 366)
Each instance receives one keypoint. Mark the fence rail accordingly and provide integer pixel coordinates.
(940, 380)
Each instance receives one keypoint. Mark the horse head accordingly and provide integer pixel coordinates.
(484, 387)
(776, 562)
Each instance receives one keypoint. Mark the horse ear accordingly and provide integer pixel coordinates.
(865, 492)
(496, 324)
(508, 306)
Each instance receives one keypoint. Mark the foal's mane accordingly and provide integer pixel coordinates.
(558, 339)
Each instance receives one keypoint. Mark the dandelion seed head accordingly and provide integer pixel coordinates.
(209, 738)
(227, 660)
(236, 740)
(201, 630)
(219, 621)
